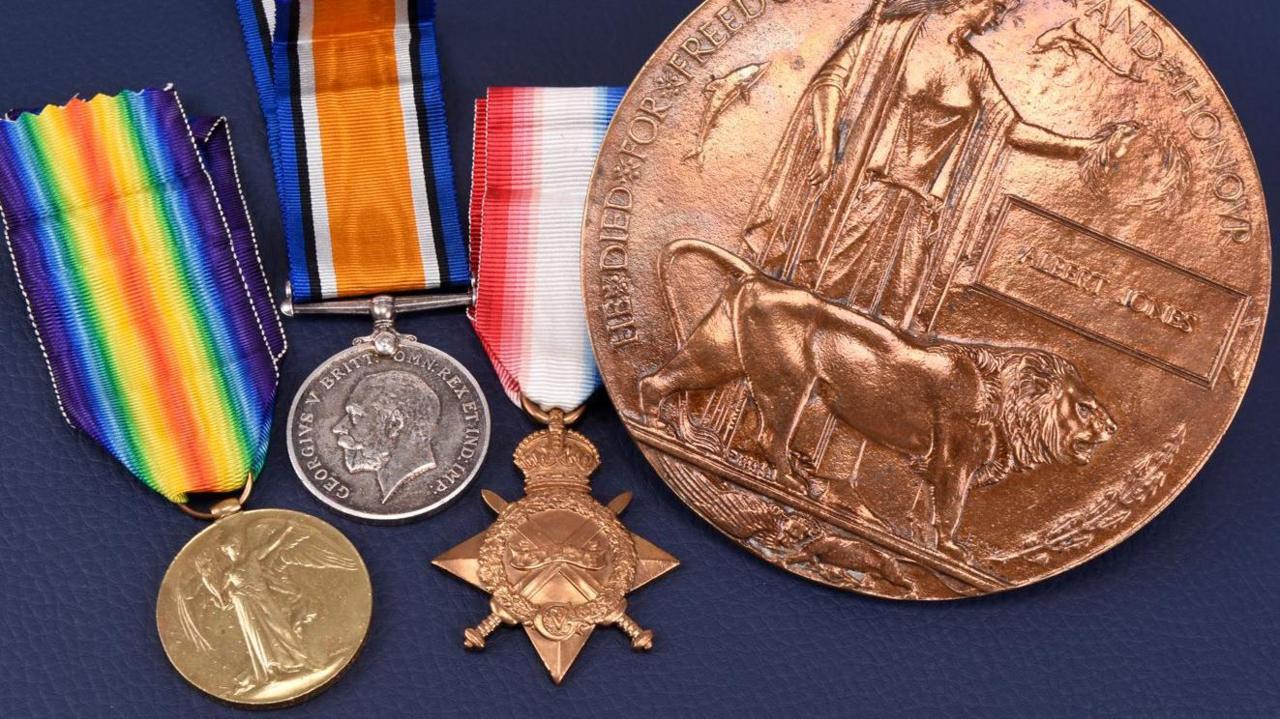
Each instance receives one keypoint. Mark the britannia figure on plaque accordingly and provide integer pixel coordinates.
(892, 156)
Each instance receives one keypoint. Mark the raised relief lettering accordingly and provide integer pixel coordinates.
(1114, 293)
(1200, 118)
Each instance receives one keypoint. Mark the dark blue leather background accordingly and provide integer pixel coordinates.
(1182, 620)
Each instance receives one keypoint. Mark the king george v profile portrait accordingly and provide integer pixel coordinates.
(389, 421)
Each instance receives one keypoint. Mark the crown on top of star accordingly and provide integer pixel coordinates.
(556, 458)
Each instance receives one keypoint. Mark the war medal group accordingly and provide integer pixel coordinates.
(910, 324)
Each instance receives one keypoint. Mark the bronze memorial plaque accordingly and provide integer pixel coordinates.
(926, 298)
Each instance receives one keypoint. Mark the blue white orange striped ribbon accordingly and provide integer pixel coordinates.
(355, 112)
(535, 150)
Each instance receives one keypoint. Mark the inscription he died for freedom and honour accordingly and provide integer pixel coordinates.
(926, 298)
(389, 437)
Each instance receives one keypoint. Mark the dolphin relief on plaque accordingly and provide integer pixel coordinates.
(957, 329)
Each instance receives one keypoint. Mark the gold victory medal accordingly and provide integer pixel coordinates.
(264, 608)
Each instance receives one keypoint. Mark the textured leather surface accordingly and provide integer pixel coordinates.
(1182, 620)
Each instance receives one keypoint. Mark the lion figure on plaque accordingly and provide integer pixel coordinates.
(968, 415)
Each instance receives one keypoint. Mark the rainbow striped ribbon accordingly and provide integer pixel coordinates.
(535, 150)
(139, 265)
(355, 114)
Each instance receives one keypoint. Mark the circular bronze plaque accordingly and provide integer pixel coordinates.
(264, 608)
(926, 298)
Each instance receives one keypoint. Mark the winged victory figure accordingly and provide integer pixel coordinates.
(248, 574)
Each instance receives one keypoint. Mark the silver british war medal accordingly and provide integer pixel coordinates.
(389, 429)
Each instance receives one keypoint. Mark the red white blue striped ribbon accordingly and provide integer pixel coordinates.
(535, 150)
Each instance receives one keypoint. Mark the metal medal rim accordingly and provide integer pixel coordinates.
(402, 517)
(653, 456)
(311, 692)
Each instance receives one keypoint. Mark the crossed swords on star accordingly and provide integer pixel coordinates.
(582, 535)
(585, 532)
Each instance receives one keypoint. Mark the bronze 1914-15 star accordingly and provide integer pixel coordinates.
(557, 562)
